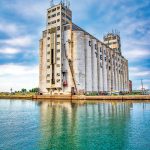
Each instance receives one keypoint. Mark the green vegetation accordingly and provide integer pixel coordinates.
(22, 92)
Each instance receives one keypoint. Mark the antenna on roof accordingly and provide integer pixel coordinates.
(51, 3)
(68, 4)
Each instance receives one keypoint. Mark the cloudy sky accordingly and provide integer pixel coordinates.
(22, 22)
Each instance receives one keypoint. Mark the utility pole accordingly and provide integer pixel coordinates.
(142, 86)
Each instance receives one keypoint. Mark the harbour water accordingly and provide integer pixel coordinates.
(35, 125)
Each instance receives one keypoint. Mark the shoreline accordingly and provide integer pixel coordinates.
(78, 97)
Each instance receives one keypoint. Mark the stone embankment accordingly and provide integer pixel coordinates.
(83, 97)
(78, 97)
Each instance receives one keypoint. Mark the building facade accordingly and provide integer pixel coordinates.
(74, 61)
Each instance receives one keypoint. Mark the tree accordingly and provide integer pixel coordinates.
(24, 90)
(35, 90)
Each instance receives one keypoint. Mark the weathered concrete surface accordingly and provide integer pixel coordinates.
(79, 97)
(83, 97)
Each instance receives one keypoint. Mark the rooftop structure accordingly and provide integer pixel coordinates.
(113, 41)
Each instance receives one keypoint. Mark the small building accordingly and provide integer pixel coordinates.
(130, 86)
(74, 61)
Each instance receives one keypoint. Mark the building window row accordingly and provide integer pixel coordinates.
(54, 9)
(58, 51)
(48, 81)
(48, 67)
(58, 35)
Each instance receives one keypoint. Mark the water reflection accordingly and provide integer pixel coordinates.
(75, 125)
(79, 125)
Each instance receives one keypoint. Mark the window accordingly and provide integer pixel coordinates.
(53, 22)
(58, 74)
(48, 75)
(53, 81)
(105, 59)
(58, 8)
(58, 50)
(89, 43)
(48, 67)
(48, 38)
(96, 54)
(63, 15)
(49, 23)
(48, 60)
(58, 58)
(53, 15)
(52, 56)
(101, 57)
(58, 35)
(49, 17)
(95, 46)
(58, 28)
(58, 43)
(101, 65)
(53, 9)
(58, 80)
(48, 52)
(48, 45)
(58, 20)
(48, 81)
(100, 49)
(109, 67)
(58, 65)
(58, 13)
(63, 8)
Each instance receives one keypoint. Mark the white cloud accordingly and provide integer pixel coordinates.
(136, 54)
(138, 72)
(9, 50)
(22, 41)
(10, 28)
(18, 77)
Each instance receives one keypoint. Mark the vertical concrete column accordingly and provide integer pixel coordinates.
(67, 51)
(101, 71)
(88, 64)
(79, 61)
(98, 65)
(85, 58)
(127, 75)
(114, 70)
(111, 67)
(94, 65)
(117, 72)
(105, 68)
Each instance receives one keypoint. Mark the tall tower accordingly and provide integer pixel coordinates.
(113, 41)
(51, 47)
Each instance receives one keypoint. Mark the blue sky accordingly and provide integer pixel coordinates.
(22, 22)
